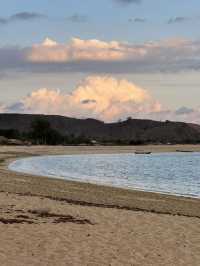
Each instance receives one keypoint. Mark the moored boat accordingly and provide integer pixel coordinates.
(143, 152)
(183, 151)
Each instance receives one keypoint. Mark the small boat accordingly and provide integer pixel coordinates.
(183, 151)
(143, 152)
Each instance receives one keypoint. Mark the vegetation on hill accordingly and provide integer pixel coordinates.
(58, 130)
(41, 133)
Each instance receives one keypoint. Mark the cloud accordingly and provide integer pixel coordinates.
(3, 21)
(169, 55)
(97, 50)
(184, 111)
(189, 115)
(88, 101)
(26, 16)
(138, 20)
(104, 98)
(22, 16)
(78, 18)
(76, 50)
(127, 2)
(101, 97)
(15, 107)
(97, 56)
(3, 108)
(178, 20)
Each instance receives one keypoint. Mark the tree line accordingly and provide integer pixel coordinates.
(41, 133)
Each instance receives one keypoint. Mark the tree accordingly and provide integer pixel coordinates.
(39, 130)
(42, 133)
(10, 133)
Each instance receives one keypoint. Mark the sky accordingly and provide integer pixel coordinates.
(107, 59)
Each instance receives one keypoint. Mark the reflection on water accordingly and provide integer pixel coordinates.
(175, 173)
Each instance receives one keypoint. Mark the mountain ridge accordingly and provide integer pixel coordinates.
(130, 130)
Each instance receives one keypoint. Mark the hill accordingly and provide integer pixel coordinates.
(131, 131)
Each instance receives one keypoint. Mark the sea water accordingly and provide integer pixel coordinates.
(171, 173)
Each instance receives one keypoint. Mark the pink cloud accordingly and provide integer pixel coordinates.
(104, 98)
(101, 97)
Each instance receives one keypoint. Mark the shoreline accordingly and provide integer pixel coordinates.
(80, 181)
(105, 195)
(47, 221)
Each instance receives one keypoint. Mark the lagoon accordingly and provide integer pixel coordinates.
(170, 173)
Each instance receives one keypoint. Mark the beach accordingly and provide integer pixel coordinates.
(47, 221)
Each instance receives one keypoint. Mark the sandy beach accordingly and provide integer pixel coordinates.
(47, 221)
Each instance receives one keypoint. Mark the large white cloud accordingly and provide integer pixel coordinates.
(97, 56)
(78, 50)
(104, 98)
(101, 97)
(97, 50)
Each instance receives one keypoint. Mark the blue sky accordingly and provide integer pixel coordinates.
(106, 20)
(26, 23)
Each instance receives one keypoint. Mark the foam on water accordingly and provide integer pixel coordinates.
(173, 173)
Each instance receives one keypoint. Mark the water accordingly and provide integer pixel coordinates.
(172, 173)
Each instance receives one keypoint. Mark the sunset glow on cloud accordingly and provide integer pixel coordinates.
(101, 97)
(97, 56)
(104, 98)
(77, 49)
(103, 59)
(97, 50)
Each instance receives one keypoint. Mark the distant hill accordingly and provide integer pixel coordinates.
(133, 131)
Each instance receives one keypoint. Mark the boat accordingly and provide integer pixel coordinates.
(183, 151)
(143, 152)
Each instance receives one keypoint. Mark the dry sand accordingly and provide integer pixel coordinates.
(54, 222)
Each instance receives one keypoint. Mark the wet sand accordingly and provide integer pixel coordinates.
(54, 222)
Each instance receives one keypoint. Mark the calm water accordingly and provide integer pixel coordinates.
(174, 173)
